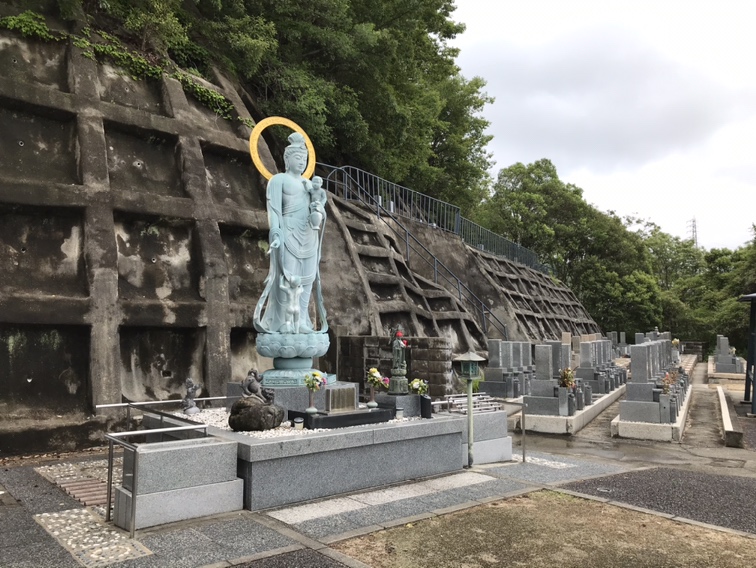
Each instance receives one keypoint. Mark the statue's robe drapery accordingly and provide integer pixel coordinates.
(298, 254)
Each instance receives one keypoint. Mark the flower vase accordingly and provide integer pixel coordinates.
(311, 409)
(371, 403)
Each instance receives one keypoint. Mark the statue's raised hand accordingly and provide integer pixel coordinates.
(275, 239)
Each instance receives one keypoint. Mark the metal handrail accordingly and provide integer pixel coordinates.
(439, 268)
(405, 202)
(130, 405)
(153, 402)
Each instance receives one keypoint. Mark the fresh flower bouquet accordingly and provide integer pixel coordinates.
(315, 381)
(675, 343)
(418, 386)
(567, 378)
(374, 379)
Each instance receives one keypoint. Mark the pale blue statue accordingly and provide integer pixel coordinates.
(296, 212)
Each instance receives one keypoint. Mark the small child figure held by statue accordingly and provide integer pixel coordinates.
(317, 196)
(292, 290)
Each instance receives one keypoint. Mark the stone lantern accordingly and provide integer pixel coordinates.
(469, 371)
(469, 368)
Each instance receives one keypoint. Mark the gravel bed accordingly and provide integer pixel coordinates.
(218, 417)
(719, 500)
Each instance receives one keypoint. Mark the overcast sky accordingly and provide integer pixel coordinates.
(649, 107)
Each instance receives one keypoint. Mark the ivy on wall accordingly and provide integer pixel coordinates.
(108, 47)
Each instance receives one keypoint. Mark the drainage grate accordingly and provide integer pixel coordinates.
(84, 481)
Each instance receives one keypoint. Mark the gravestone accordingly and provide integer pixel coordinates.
(640, 392)
(586, 355)
(724, 361)
(633, 411)
(544, 362)
(587, 370)
(543, 388)
(639, 363)
(542, 405)
(495, 355)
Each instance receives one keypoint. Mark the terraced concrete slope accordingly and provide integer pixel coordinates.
(133, 240)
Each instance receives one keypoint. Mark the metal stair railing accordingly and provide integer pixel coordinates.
(349, 188)
(405, 202)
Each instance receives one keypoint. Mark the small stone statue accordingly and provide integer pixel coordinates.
(398, 345)
(188, 404)
(252, 387)
(255, 411)
(398, 383)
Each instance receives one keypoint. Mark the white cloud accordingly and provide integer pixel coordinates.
(649, 107)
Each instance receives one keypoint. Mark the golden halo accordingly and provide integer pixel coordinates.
(281, 121)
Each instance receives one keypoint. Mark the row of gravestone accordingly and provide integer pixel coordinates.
(725, 360)
(659, 386)
(512, 372)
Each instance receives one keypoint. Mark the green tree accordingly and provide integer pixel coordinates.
(591, 251)
(672, 258)
(459, 158)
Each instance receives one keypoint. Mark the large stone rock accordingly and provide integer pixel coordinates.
(250, 414)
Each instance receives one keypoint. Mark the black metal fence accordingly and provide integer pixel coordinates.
(356, 184)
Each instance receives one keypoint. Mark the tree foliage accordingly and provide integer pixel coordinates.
(374, 84)
(629, 274)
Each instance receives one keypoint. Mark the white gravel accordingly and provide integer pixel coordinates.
(218, 417)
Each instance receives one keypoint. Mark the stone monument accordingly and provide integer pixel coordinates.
(297, 217)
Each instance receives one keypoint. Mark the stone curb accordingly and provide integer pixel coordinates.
(343, 558)
(354, 533)
(733, 532)
(284, 529)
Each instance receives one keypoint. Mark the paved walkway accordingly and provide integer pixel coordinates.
(41, 525)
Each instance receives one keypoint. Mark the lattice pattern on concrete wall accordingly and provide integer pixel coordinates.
(133, 240)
